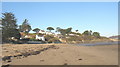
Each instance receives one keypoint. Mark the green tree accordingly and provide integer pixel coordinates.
(58, 29)
(9, 27)
(68, 30)
(8, 21)
(64, 31)
(50, 28)
(36, 30)
(88, 33)
(96, 34)
(76, 30)
(25, 27)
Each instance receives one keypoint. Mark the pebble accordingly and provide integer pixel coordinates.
(65, 64)
(41, 60)
(79, 59)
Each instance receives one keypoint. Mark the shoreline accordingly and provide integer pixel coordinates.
(87, 42)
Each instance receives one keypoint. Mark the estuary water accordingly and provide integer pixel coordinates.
(99, 43)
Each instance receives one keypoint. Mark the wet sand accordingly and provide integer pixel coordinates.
(72, 55)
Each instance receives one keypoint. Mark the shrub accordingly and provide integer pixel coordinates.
(74, 38)
(51, 39)
(48, 37)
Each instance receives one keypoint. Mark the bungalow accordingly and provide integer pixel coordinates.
(23, 35)
(40, 37)
(42, 32)
(46, 32)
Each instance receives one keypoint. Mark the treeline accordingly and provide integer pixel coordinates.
(69, 31)
(10, 29)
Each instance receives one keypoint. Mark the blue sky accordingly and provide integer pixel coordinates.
(96, 16)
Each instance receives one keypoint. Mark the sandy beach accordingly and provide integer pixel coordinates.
(61, 54)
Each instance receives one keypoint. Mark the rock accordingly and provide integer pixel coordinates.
(35, 53)
(42, 50)
(9, 61)
(41, 60)
(6, 58)
(65, 64)
(45, 48)
(52, 46)
(15, 56)
(79, 59)
(6, 65)
(26, 54)
(19, 55)
(6, 51)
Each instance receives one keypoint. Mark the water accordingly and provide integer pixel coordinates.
(35, 42)
(98, 43)
(85, 44)
(40, 42)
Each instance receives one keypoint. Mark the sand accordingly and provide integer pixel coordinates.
(71, 55)
(16, 49)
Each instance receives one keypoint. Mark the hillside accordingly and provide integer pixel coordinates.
(115, 37)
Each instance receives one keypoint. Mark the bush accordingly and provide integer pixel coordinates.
(48, 37)
(51, 39)
(55, 40)
(76, 33)
(32, 39)
(73, 38)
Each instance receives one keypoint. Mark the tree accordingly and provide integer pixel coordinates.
(58, 29)
(50, 28)
(11, 33)
(76, 30)
(64, 31)
(68, 30)
(8, 21)
(88, 33)
(9, 27)
(96, 34)
(25, 27)
(36, 30)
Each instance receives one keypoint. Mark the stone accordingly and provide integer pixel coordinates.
(79, 59)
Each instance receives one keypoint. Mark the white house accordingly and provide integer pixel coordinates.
(46, 32)
(42, 32)
(40, 37)
(49, 33)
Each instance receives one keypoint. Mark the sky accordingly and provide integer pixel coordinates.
(99, 17)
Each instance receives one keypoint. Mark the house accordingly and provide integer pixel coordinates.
(46, 32)
(59, 36)
(23, 35)
(72, 34)
(40, 37)
(49, 33)
(42, 32)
